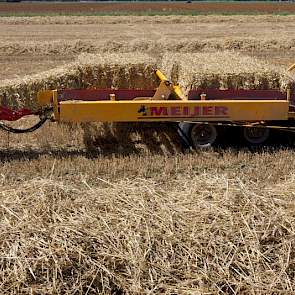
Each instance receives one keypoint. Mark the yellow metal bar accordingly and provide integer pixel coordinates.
(178, 92)
(175, 88)
(177, 110)
(161, 76)
(291, 68)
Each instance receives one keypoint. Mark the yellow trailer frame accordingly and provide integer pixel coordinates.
(155, 111)
(159, 108)
(168, 104)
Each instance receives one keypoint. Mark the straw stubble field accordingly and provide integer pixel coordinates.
(120, 209)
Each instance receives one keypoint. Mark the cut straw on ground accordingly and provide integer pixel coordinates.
(62, 47)
(195, 234)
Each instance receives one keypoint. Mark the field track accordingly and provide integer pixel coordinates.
(146, 8)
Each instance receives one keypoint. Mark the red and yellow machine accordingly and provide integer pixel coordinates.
(198, 114)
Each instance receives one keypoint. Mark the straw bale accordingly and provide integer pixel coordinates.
(224, 70)
(89, 71)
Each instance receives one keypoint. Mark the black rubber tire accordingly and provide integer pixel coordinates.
(207, 134)
(256, 136)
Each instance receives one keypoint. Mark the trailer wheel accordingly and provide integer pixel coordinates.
(255, 135)
(200, 135)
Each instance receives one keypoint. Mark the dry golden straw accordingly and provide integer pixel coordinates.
(149, 225)
(224, 70)
(191, 45)
(89, 71)
(125, 70)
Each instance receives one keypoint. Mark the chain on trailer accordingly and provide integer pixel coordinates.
(44, 115)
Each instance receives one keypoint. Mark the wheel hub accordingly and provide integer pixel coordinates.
(203, 135)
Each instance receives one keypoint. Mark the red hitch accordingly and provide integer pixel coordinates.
(7, 114)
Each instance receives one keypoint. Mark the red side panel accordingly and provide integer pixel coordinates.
(236, 94)
(130, 94)
(7, 114)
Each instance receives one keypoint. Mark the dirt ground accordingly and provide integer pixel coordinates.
(196, 7)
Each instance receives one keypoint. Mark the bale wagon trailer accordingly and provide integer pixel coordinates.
(197, 115)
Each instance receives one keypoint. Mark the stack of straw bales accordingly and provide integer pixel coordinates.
(223, 70)
(89, 71)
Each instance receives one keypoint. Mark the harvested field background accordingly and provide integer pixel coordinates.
(145, 19)
(147, 8)
(121, 209)
(141, 44)
(29, 45)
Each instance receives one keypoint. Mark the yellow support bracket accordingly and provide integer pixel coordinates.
(175, 89)
(45, 98)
